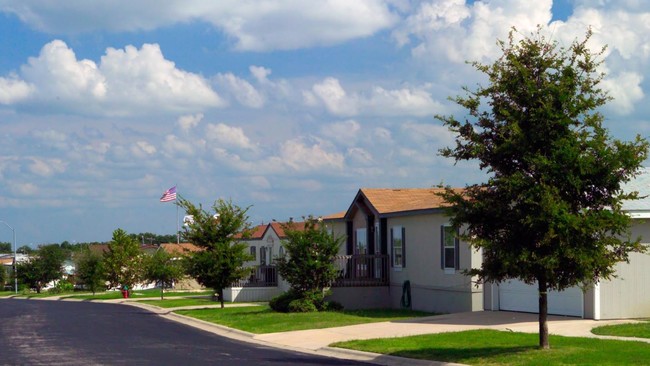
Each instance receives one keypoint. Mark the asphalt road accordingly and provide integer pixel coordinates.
(37, 332)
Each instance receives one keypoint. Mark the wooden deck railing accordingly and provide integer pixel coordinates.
(361, 270)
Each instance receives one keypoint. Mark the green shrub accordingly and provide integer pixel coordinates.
(333, 306)
(61, 287)
(302, 306)
(281, 302)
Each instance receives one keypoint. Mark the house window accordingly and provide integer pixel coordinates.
(281, 252)
(263, 256)
(362, 241)
(398, 246)
(253, 253)
(449, 249)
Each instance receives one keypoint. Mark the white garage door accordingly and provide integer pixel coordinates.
(517, 296)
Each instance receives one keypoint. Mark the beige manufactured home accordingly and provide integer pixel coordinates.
(402, 236)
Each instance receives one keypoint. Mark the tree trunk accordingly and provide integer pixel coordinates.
(162, 290)
(221, 297)
(543, 314)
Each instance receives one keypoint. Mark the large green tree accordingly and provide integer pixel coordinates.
(164, 269)
(220, 262)
(308, 262)
(550, 212)
(90, 270)
(123, 262)
(43, 268)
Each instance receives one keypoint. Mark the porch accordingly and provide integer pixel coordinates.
(362, 270)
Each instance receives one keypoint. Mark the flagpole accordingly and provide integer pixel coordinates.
(178, 228)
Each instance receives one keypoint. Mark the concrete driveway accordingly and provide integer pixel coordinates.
(500, 320)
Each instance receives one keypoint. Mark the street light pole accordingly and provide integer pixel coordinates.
(15, 258)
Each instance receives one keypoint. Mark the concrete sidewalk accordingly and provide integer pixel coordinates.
(317, 341)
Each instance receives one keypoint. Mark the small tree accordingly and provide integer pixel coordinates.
(90, 270)
(221, 260)
(551, 210)
(163, 269)
(123, 261)
(43, 268)
(3, 278)
(308, 262)
(5, 248)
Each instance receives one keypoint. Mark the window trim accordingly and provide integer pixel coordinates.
(402, 231)
(443, 247)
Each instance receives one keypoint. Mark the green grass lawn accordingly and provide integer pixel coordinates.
(177, 302)
(491, 347)
(639, 330)
(6, 293)
(261, 319)
(108, 295)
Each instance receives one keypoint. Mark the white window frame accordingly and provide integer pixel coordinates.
(396, 231)
(253, 251)
(446, 245)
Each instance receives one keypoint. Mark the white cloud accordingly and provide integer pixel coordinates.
(359, 156)
(258, 26)
(344, 132)
(24, 189)
(46, 167)
(51, 138)
(174, 146)
(143, 149)
(145, 78)
(301, 157)
(13, 90)
(379, 101)
(228, 136)
(189, 121)
(127, 81)
(626, 90)
(260, 182)
(458, 32)
(56, 74)
(241, 89)
(260, 73)
(331, 93)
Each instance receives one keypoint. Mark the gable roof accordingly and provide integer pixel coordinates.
(392, 201)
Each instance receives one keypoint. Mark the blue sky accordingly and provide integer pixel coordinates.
(286, 106)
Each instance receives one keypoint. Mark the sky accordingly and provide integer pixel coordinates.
(286, 106)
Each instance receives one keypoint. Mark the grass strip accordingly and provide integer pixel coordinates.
(109, 295)
(639, 330)
(178, 302)
(261, 319)
(491, 347)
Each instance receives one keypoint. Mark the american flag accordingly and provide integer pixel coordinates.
(169, 195)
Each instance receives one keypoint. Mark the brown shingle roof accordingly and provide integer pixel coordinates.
(390, 200)
(335, 216)
(181, 248)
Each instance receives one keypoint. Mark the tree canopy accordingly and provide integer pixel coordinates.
(90, 270)
(550, 212)
(221, 260)
(43, 268)
(123, 260)
(164, 269)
